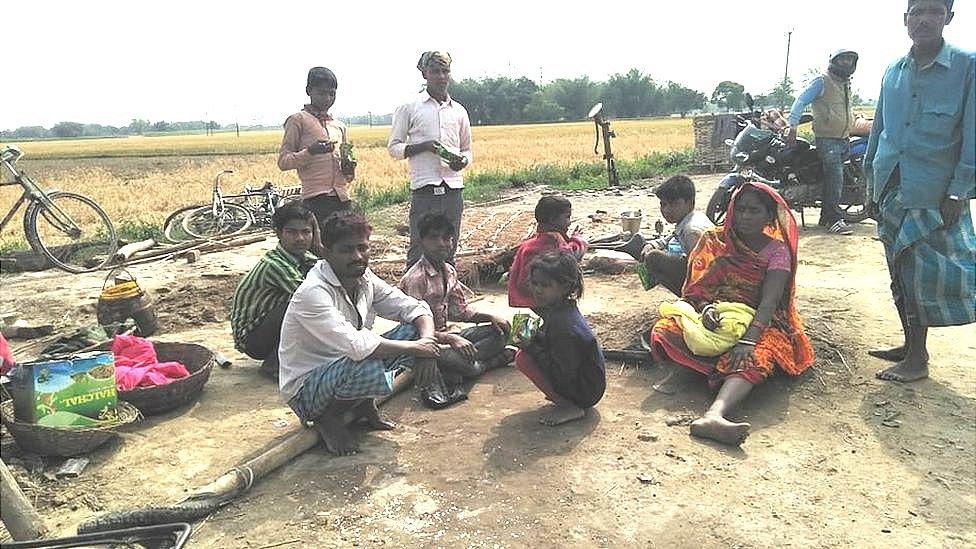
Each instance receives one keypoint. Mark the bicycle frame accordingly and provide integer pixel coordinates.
(270, 196)
(217, 199)
(33, 193)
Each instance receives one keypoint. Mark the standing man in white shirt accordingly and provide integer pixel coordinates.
(430, 122)
(331, 361)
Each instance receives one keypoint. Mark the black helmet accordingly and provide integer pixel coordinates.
(842, 71)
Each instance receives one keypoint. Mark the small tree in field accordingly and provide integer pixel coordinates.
(68, 129)
(782, 94)
(728, 95)
(679, 99)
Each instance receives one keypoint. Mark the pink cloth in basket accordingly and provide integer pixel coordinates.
(6, 357)
(136, 364)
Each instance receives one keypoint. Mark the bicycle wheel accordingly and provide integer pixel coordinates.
(173, 226)
(203, 223)
(72, 230)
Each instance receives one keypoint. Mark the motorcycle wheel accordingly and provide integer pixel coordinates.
(853, 179)
(717, 206)
(853, 213)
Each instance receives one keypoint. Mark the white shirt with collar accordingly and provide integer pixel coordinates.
(426, 119)
(322, 325)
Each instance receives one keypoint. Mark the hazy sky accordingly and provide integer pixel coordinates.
(108, 62)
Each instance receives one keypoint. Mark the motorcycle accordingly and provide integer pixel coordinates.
(795, 171)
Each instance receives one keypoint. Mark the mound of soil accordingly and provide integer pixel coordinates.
(195, 302)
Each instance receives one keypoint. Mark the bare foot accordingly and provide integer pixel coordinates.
(559, 413)
(893, 354)
(336, 437)
(720, 429)
(370, 414)
(909, 369)
(667, 385)
(674, 378)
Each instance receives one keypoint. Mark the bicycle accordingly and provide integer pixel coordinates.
(227, 214)
(70, 230)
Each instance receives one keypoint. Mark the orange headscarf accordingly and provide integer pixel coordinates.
(722, 268)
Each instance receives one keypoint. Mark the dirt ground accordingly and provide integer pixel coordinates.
(836, 458)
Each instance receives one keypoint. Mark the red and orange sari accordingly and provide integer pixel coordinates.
(722, 268)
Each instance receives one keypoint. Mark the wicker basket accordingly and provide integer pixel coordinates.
(63, 441)
(710, 152)
(199, 361)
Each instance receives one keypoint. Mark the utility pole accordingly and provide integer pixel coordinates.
(786, 72)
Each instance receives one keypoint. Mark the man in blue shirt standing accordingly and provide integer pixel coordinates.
(919, 167)
(830, 95)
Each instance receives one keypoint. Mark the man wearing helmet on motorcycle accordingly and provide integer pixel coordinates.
(830, 97)
(920, 174)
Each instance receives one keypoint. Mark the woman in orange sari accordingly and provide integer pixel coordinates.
(751, 260)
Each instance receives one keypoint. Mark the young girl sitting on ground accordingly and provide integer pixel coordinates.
(552, 214)
(563, 359)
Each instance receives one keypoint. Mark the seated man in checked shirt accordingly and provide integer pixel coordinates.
(432, 279)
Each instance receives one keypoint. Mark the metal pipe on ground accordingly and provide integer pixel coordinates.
(228, 486)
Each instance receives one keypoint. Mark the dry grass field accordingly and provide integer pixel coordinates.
(140, 180)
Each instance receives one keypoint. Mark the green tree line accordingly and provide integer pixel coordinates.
(69, 130)
(505, 100)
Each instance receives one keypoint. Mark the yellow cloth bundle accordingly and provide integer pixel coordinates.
(735, 320)
(121, 290)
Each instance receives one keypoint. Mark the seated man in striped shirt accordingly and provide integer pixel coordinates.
(263, 294)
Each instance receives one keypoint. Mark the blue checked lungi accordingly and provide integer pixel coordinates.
(933, 268)
(346, 379)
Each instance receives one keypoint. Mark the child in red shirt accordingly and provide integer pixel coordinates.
(553, 215)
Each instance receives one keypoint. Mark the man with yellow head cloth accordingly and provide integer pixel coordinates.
(433, 131)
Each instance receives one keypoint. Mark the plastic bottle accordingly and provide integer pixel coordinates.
(447, 155)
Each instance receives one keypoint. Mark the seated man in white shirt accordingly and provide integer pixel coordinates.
(330, 360)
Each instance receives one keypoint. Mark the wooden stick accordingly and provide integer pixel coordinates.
(494, 237)
(125, 252)
(500, 200)
(468, 253)
(476, 228)
(280, 543)
(242, 241)
(17, 513)
(202, 245)
(186, 245)
(844, 360)
(291, 446)
(151, 254)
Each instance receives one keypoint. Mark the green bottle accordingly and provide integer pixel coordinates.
(347, 158)
(647, 280)
(447, 155)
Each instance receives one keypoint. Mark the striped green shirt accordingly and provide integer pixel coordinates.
(269, 284)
